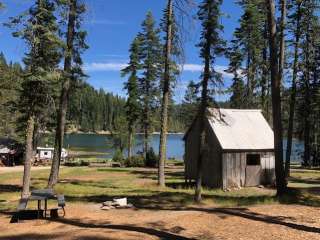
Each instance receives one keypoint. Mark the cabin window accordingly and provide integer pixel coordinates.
(45, 153)
(253, 159)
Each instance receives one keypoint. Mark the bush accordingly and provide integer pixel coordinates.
(151, 159)
(77, 163)
(135, 161)
(118, 156)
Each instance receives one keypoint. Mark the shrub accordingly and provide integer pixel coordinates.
(135, 161)
(151, 158)
(118, 156)
(77, 163)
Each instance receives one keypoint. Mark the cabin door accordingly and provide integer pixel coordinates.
(253, 170)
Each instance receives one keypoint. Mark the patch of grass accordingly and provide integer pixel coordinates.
(95, 185)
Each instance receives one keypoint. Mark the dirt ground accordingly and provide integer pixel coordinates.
(19, 169)
(88, 221)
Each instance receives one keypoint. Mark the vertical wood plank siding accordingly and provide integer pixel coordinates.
(223, 169)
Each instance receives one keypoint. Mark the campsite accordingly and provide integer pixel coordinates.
(167, 119)
(168, 213)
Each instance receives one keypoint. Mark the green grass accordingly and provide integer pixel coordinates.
(95, 185)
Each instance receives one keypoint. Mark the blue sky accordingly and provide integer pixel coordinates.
(111, 26)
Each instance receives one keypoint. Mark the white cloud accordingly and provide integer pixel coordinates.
(199, 68)
(117, 66)
(192, 67)
(104, 67)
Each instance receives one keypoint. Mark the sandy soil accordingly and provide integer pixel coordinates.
(90, 222)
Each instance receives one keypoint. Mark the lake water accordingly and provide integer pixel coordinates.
(102, 144)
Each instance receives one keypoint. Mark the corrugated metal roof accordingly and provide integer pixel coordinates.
(241, 129)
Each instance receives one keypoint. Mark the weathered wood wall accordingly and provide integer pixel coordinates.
(211, 171)
(226, 170)
(234, 169)
(212, 166)
(191, 152)
(268, 168)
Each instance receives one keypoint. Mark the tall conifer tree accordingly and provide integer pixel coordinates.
(40, 32)
(74, 46)
(211, 45)
(276, 98)
(133, 110)
(295, 27)
(151, 60)
(171, 49)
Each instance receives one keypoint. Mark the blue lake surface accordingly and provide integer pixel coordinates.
(175, 145)
(102, 143)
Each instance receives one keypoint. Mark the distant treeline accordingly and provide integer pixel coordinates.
(90, 110)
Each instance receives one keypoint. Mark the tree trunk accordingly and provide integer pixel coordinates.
(165, 98)
(276, 99)
(28, 157)
(60, 130)
(264, 77)
(307, 102)
(130, 142)
(282, 52)
(282, 38)
(202, 115)
(249, 80)
(293, 94)
(146, 133)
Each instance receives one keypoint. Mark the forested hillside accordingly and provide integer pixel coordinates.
(10, 83)
(90, 110)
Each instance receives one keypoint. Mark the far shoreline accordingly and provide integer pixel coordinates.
(108, 133)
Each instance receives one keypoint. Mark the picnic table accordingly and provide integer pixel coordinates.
(42, 195)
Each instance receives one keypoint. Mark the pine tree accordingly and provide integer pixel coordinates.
(282, 50)
(75, 44)
(295, 26)
(237, 89)
(133, 110)
(248, 44)
(190, 104)
(171, 50)
(10, 83)
(151, 60)
(308, 79)
(276, 99)
(211, 45)
(40, 32)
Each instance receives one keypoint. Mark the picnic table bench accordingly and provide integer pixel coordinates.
(40, 195)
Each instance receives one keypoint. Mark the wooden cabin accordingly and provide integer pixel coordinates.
(238, 150)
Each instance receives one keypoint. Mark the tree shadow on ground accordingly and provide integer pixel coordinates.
(35, 236)
(308, 196)
(152, 173)
(130, 228)
(164, 201)
(305, 180)
(245, 213)
(171, 200)
(304, 168)
(7, 188)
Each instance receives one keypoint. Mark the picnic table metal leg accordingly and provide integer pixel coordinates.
(45, 208)
(39, 208)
